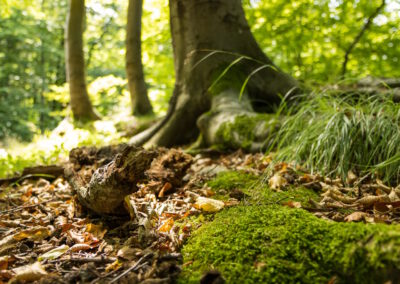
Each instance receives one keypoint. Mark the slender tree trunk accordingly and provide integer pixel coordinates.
(208, 36)
(134, 67)
(75, 65)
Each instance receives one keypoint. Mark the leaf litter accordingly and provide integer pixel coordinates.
(356, 199)
(47, 236)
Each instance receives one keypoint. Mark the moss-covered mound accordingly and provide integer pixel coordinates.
(263, 242)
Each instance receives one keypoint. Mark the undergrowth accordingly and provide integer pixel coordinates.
(261, 241)
(332, 135)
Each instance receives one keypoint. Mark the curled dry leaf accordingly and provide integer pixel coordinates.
(128, 253)
(4, 262)
(371, 199)
(79, 247)
(97, 230)
(113, 266)
(293, 204)
(277, 181)
(351, 177)
(28, 273)
(166, 187)
(166, 225)
(54, 253)
(36, 234)
(393, 196)
(355, 216)
(208, 204)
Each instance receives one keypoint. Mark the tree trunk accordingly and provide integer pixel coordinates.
(208, 36)
(75, 65)
(134, 67)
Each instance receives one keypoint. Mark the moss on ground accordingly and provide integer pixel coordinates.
(261, 241)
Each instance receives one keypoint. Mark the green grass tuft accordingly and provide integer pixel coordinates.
(333, 135)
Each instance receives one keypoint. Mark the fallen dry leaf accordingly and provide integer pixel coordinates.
(277, 182)
(36, 234)
(28, 273)
(208, 204)
(97, 230)
(355, 216)
(166, 225)
(54, 253)
(292, 204)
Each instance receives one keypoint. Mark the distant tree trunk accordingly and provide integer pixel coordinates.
(208, 36)
(134, 67)
(75, 65)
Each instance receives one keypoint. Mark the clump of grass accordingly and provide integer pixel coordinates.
(333, 134)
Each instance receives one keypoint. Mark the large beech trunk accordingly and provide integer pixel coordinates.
(75, 65)
(207, 36)
(134, 67)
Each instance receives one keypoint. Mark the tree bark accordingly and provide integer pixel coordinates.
(134, 67)
(207, 37)
(75, 65)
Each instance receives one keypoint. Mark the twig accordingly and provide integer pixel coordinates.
(100, 259)
(25, 207)
(132, 268)
(359, 36)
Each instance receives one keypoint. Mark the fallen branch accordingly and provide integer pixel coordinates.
(48, 172)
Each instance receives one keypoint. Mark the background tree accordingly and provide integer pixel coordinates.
(75, 65)
(134, 67)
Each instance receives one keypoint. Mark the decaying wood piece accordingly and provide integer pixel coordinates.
(103, 177)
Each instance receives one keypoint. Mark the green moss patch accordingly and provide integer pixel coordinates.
(241, 133)
(261, 241)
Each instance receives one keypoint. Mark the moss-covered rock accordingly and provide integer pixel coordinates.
(261, 241)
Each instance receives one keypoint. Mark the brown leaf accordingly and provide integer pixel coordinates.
(166, 225)
(166, 187)
(97, 230)
(28, 273)
(208, 204)
(277, 182)
(36, 234)
(371, 199)
(292, 204)
(355, 216)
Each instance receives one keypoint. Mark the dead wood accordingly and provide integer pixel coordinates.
(103, 177)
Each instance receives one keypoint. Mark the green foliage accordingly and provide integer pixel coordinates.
(333, 135)
(30, 60)
(309, 38)
(263, 242)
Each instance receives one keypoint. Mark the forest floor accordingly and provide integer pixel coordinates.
(215, 217)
